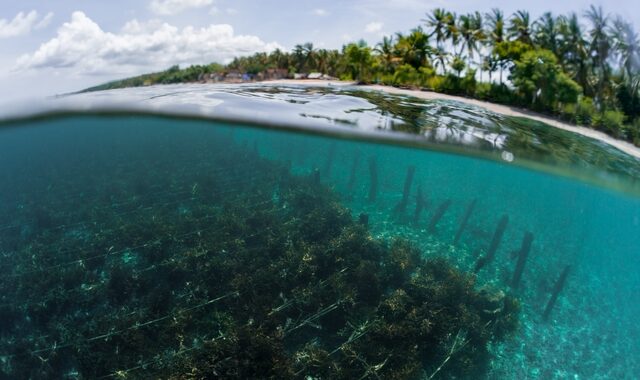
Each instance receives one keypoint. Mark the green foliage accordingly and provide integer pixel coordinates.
(585, 111)
(610, 121)
(511, 50)
(406, 75)
(483, 91)
(468, 83)
(632, 132)
(500, 93)
(568, 91)
(628, 97)
(172, 75)
(458, 65)
(358, 59)
(435, 83)
(541, 82)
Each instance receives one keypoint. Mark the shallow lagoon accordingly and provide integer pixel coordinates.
(123, 236)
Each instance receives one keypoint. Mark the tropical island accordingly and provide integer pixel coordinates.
(587, 76)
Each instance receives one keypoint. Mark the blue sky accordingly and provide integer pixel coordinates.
(49, 47)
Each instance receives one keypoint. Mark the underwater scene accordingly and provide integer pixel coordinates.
(241, 232)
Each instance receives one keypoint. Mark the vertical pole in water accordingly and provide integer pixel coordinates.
(363, 219)
(421, 202)
(465, 220)
(556, 290)
(354, 170)
(522, 259)
(438, 215)
(373, 173)
(316, 177)
(330, 157)
(495, 243)
(402, 206)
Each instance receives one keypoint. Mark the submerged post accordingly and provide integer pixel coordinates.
(373, 173)
(438, 215)
(556, 291)
(402, 206)
(330, 157)
(522, 259)
(464, 221)
(363, 219)
(316, 176)
(354, 170)
(495, 243)
(421, 203)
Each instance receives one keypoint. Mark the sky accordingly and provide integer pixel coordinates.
(50, 47)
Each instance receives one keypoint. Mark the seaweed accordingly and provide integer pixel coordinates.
(223, 264)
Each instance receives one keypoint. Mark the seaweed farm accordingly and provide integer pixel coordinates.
(138, 246)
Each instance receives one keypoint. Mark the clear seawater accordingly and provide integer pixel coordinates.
(129, 220)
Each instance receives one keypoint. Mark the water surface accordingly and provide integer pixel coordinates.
(142, 245)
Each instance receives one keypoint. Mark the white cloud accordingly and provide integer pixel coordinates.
(82, 47)
(320, 12)
(46, 20)
(214, 11)
(170, 7)
(373, 27)
(23, 24)
(232, 11)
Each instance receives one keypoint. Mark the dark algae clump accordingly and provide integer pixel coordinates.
(190, 256)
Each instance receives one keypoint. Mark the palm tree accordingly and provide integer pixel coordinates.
(310, 53)
(520, 27)
(358, 60)
(279, 59)
(471, 31)
(489, 64)
(495, 36)
(600, 48)
(496, 26)
(574, 51)
(298, 56)
(334, 62)
(385, 51)
(414, 48)
(440, 58)
(438, 20)
(453, 32)
(546, 33)
(627, 47)
(321, 60)
(304, 56)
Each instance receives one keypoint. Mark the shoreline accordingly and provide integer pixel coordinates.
(624, 146)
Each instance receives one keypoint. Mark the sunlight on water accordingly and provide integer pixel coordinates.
(144, 246)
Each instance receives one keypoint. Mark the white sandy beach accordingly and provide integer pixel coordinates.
(497, 108)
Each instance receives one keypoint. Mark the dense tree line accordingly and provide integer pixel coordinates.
(585, 70)
(582, 69)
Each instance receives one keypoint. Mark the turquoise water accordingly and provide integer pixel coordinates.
(141, 246)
